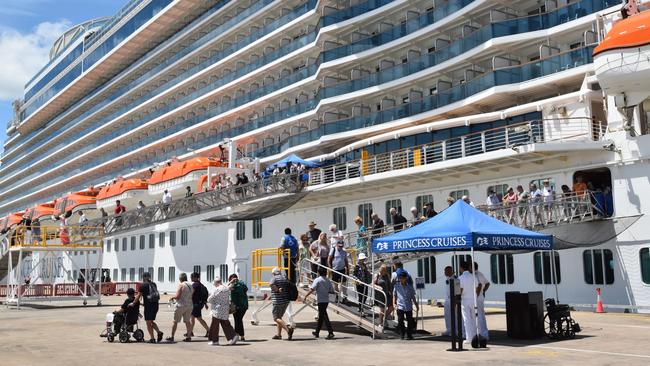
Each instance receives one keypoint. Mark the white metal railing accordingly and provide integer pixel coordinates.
(537, 131)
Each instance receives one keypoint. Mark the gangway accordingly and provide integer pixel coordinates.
(52, 246)
(257, 199)
(345, 304)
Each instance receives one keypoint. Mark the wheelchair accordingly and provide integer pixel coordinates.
(116, 327)
(558, 323)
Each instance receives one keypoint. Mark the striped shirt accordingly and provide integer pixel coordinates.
(280, 297)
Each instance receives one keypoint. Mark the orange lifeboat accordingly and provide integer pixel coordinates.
(622, 60)
(11, 220)
(84, 200)
(42, 211)
(177, 175)
(125, 190)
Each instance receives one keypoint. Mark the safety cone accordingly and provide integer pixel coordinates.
(599, 304)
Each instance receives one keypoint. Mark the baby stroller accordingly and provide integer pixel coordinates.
(117, 326)
(558, 323)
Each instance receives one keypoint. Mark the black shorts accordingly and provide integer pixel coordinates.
(196, 310)
(337, 277)
(150, 311)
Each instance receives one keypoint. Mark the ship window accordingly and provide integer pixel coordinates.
(171, 274)
(116, 242)
(457, 259)
(123, 275)
(241, 230)
(420, 201)
(114, 274)
(133, 243)
(142, 242)
(543, 265)
(172, 238)
(152, 241)
(257, 228)
(427, 269)
(197, 269)
(131, 274)
(598, 266)
(161, 240)
(161, 274)
(223, 272)
(183, 237)
(340, 218)
(150, 271)
(365, 211)
(74, 275)
(499, 189)
(108, 245)
(502, 268)
(390, 204)
(456, 195)
(209, 273)
(644, 257)
(140, 273)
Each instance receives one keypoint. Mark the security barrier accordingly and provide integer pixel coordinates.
(263, 261)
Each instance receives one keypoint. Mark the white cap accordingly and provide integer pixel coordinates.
(276, 271)
(362, 256)
(413, 209)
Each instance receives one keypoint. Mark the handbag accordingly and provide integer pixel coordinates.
(232, 309)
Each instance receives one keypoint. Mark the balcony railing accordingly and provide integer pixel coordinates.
(506, 137)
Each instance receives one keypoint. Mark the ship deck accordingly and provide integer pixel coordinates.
(60, 334)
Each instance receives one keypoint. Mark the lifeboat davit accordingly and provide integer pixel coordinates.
(180, 174)
(622, 59)
(42, 212)
(128, 191)
(85, 201)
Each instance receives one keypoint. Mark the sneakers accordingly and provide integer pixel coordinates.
(330, 336)
(169, 339)
(213, 343)
(160, 337)
(315, 334)
(290, 333)
(234, 340)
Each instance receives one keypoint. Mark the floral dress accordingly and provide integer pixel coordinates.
(219, 302)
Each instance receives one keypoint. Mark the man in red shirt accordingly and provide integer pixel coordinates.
(119, 210)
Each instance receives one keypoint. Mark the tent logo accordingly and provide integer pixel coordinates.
(382, 246)
(481, 241)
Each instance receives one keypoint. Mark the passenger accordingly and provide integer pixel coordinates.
(103, 215)
(415, 216)
(404, 300)
(536, 200)
(480, 302)
(188, 192)
(467, 292)
(397, 265)
(199, 301)
(149, 297)
(580, 187)
(129, 312)
(244, 178)
(384, 299)
(492, 201)
(397, 219)
(362, 235)
(313, 232)
(548, 195)
(449, 275)
(290, 242)
(450, 201)
(364, 278)
(141, 206)
(303, 253)
(467, 200)
(36, 231)
(338, 261)
(510, 200)
(336, 235)
(323, 288)
(219, 302)
(377, 225)
(238, 297)
(522, 202)
(280, 298)
(183, 309)
(320, 251)
(119, 211)
(166, 200)
(567, 202)
(429, 212)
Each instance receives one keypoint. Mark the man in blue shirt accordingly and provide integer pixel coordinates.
(290, 242)
(404, 300)
(323, 288)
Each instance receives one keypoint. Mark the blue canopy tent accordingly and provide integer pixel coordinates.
(462, 227)
(293, 159)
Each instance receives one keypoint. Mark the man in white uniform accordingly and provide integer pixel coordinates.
(480, 302)
(449, 275)
(467, 283)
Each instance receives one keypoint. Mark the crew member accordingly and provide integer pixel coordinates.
(467, 286)
(480, 302)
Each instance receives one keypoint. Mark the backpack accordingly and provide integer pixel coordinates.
(293, 291)
(154, 295)
(204, 294)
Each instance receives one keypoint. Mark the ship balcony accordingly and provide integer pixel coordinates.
(514, 145)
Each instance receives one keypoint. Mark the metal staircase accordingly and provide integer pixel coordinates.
(257, 199)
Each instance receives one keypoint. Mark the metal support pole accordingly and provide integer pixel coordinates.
(474, 294)
(372, 270)
(554, 277)
(18, 274)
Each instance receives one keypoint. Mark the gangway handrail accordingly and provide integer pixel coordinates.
(200, 202)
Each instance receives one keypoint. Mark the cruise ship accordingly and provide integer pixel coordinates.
(397, 103)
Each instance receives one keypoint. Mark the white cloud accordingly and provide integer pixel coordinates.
(23, 55)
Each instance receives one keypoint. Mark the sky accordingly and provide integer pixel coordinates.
(27, 30)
